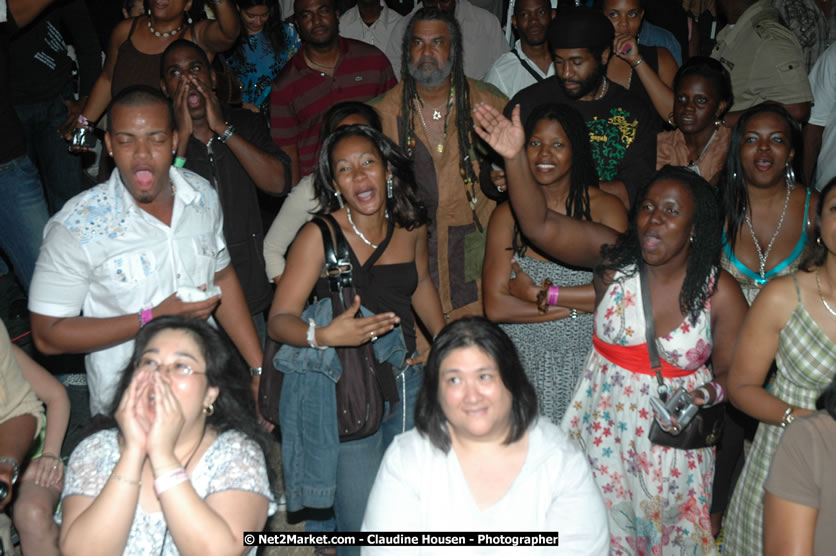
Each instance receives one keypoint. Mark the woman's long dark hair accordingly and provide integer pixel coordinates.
(404, 207)
(703, 255)
(734, 195)
(273, 28)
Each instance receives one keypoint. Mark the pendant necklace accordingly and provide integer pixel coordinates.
(821, 296)
(761, 255)
(693, 165)
(167, 34)
(358, 232)
(439, 147)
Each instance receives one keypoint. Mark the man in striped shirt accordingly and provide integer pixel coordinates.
(327, 69)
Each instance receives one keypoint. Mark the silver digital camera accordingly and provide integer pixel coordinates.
(680, 407)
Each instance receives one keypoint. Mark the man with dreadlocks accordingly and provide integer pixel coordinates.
(429, 114)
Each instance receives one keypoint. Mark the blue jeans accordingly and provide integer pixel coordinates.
(23, 216)
(59, 169)
(359, 460)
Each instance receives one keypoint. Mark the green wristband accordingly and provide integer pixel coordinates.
(179, 161)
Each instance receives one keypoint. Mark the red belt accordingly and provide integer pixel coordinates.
(635, 359)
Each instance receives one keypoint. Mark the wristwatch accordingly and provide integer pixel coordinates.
(255, 371)
(230, 129)
(15, 467)
(788, 417)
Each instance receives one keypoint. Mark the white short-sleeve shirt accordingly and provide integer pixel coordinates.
(823, 113)
(510, 76)
(377, 34)
(103, 256)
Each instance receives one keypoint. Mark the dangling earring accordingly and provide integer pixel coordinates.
(339, 198)
(718, 122)
(734, 175)
(188, 19)
(389, 186)
(818, 240)
(692, 240)
(790, 174)
(209, 410)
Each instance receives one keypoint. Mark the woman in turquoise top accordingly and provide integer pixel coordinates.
(264, 47)
(767, 210)
(767, 225)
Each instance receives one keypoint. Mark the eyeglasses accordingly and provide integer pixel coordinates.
(176, 369)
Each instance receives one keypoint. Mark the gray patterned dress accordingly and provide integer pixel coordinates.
(553, 353)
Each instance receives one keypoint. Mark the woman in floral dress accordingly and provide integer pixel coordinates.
(657, 497)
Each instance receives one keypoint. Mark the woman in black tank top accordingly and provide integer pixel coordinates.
(136, 46)
(367, 184)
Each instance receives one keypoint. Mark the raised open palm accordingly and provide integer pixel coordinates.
(506, 137)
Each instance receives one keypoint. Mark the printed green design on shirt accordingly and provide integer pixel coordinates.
(610, 140)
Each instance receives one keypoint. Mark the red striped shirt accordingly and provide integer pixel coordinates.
(300, 95)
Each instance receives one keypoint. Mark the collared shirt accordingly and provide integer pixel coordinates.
(510, 76)
(823, 114)
(377, 34)
(105, 257)
(481, 34)
(301, 95)
(814, 30)
(763, 58)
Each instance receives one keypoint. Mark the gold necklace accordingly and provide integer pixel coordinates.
(419, 105)
(821, 296)
(323, 66)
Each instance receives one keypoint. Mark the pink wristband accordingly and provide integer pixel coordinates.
(554, 293)
(169, 479)
(721, 394)
(145, 316)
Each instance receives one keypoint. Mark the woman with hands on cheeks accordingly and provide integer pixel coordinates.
(182, 468)
(546, 307)
(657, 496)
(367, 184)
(646, 71)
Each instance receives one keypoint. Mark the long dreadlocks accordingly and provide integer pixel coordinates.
(464, 119)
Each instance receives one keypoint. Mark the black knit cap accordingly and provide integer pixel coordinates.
(580, 28)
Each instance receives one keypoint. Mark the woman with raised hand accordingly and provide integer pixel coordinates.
(645, 71)
(367, 185)
(546, 307)
(700, 142)
(793, 322)
(479, 459)
(657, 496)
(181, 468)
(265, 45)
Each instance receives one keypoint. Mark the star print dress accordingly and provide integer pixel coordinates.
(657, 497)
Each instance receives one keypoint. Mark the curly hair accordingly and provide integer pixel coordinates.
(817, 253)
(458, 81)
(404, 207)
(703, 254)
(711, 69)
(488, 337)
(273, 29)
(735, 196)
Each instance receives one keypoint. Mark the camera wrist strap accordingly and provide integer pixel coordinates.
(650, 332)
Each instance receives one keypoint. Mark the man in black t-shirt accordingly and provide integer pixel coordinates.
(622, 130)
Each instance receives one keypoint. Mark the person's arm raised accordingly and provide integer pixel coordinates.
(576, 242)
(220, 34)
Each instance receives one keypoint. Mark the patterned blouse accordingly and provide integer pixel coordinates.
(256, 64)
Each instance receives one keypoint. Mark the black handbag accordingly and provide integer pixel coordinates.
(365, 383)
(706, 428)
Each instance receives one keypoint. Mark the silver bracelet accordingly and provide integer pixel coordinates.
(788, 417)
(15, 467)
(311, 335)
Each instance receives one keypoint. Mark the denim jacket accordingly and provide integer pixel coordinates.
(308, 411)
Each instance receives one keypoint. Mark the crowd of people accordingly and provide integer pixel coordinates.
(497, 286)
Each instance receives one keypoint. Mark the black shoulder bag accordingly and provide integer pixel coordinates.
(706, 428)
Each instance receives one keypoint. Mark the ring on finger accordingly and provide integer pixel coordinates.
(373, 336)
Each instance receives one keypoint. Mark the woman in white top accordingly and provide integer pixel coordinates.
(479, 459)
(182, 468)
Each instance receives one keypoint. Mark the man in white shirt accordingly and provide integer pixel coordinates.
(530, 61)
(484, 41)
(372, 22)
(130, 249)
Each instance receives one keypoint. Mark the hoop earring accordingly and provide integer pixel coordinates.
(389, 186)
(818, 240)
(790, 174)
(188, 19)
(670, 121)
(691, 240)
(209, 410)
(339, 199)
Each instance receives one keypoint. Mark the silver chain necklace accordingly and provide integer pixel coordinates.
(604, 88)
(821, 296)
(761, 255)
(167, 34)
(358, 232)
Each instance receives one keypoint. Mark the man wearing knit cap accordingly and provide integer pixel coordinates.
(622, 128)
